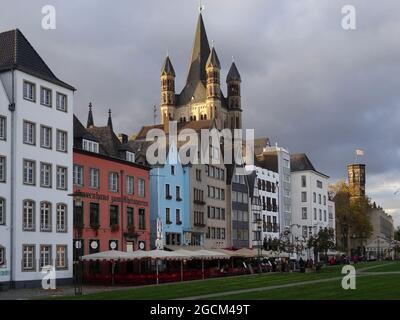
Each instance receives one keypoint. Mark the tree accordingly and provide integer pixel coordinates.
(352, 216)
(323, 241)
(397, 234)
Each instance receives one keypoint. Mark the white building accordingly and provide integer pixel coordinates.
(36, 112)
(310, 200)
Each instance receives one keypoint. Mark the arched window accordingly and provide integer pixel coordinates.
(61, 219)
(2, 211)
(45, 216)
(28, 215)
(205, 117)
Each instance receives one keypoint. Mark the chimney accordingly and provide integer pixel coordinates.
(123, 138)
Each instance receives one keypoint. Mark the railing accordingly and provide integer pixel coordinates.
(45, 227)
(28, 226)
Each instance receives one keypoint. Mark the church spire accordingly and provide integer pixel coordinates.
(167, 68)
(109, 123)
(90, 122)
(200, 54)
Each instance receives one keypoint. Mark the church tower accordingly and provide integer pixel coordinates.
(356, 173)
(233, 81)
(167, 90)
(213, 88)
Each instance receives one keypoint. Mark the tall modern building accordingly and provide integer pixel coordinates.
(36, 134)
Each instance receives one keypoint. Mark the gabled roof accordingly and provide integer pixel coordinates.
(233, 74)
(167, 68)
(80, 131)
(17, 53)
(300, 162)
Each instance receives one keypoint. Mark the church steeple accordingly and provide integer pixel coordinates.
(109, 122)
(200, 54)
(167, 68)
(90, 121)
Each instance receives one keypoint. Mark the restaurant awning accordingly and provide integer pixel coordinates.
(108, 256)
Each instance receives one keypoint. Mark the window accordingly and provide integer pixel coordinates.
(90, 146)
(28, 215)
(325, 215)
(130, 183)
(178, 216)
(303, 181)
(142, 219)
(172, 170)
(141, 187)
(28, 258)
(319, 199)
(94, 175)
(314, 197)
(2, 211)
(304, 196)
(3, 128)
(178, 192)
(168, 216)
(129, 217)
(45, 97)
(45, 175)
(324, 200)
(62, 178)
(315, 213)
(45, 256)
(198, 175)
(61, 257)
(78, 175)
(45, 216)
(114, 215)
(29, 172)
(29, 91)
(304, 213)
(3, 169)
(2, 256)
(130, 156)
(113, 181)
(62, 144)
(305, 233)
(45, 137)
(167, 192)
(94, 215)
(61, 102)
(61, 219)
(286, 163)
(320, 215)
(319, 184)
(29, 133)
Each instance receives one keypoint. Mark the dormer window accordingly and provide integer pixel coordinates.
(130, 156)
(90, 146)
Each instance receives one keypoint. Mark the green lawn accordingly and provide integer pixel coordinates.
(367, 288)
(387, 267)
(222, 285)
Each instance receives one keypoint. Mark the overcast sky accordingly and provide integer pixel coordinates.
(307, 84)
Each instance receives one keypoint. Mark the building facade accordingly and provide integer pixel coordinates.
(310, 199)
(36, 113)
(111, 192)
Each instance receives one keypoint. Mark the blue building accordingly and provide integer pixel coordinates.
(169, 186)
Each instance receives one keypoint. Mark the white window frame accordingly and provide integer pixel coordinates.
(61, 217)
(45, 255)
(94, 178)
(3, 169)
(46, 173)
(28, 257)
(3, 128)
(141, 188)
(61, 257)
(3, 211)
(113, 181)
(62, 140)
(130, 156)
(46, 137)
(130, 185)
(62, 178)
(29, 91)
(78, 175)
(46, 97)
(91, 146)
(61, 102)
(2, 256)
(28, 222)
(45, 216)
(29, 133)
(29, 172)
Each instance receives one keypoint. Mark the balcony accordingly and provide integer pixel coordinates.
(131, 233)
(199, 224)
(200, 202)
(61, 228)
(44, 227)
(28, 227)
